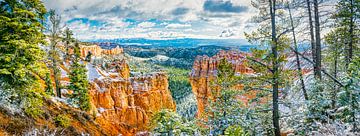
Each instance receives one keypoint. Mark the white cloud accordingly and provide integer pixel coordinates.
(176, 17)
(146, 25)
(178, 26)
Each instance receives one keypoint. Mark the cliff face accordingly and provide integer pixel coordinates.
(120, 69)
(98, 51)
(125, 104)
(205, 70)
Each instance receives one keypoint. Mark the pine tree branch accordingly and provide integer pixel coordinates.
(260, 63)
(323, 70)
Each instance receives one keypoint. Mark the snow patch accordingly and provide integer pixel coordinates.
(92, 72)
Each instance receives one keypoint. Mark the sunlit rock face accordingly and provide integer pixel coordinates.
(205, 71)
(125, 104)
(98, 51)
(120, 68)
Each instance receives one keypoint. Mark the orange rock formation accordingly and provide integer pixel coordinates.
(98, 51)
(125, 104)
(204, 71)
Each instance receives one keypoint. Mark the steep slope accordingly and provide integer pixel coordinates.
(122, 104)
(13, 123)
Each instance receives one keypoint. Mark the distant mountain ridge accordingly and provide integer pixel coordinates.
(178, 43)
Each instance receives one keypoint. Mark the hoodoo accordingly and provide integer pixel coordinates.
(205, 71)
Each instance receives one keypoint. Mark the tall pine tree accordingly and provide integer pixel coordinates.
(21, 59)
(79, 82)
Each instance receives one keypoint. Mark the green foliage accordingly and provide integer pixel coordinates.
(226, 74)
(32, 103)
(49, 87)
(79, 83)
(21, 59)
(223, 112)
(68, 39)
(317, 106)
(20, 36)
(180, 88)
(62, 120)
(166, 122)
(235, 131)
(179, 84)
(350, 96)
(226, 110)
(54, 30)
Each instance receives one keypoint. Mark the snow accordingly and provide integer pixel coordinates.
(101, 110)
(40, 132)
(6, 103)
(63, 73)
(92, 72)
(160, 58)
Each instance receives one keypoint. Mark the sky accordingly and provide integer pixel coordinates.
(154, 19)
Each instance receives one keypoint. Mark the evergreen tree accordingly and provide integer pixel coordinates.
(21, 59)
(88, 57)
(227, 113)
(350, 96)
(20, 36)
(68, 39)
(168, 123)
(79, 82)
(347, 18)
(224, 106)
(267, 61)
(54, 30)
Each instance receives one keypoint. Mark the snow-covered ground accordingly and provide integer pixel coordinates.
(92, 72)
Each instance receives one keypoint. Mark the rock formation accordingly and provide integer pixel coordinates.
(125, 104)
(98, 51)
(205, 70)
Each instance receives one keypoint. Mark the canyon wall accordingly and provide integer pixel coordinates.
(98, 51)
(125, 104)
(205, 71)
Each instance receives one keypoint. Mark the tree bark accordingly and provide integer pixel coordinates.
(275, 63)
(55, 21)
(312, 37)
(333, 101)
(55, 67)
(297, 55)
(317, 41)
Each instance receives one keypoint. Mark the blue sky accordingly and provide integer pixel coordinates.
(154, 19)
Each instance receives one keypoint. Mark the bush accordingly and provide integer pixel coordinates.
(32, 103)
(62, 121)
(235, 131)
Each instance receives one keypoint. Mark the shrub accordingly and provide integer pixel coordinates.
(32, 103)
(62, 120)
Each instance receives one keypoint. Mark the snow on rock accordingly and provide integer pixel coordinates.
(101, 110)
(92, 72)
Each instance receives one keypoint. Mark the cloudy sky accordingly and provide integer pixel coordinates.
(156, 19)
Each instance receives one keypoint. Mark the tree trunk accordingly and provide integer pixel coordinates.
(333, 101)
(55, 67)
(317, 42)
(275, 78)
(351, 32)
(297, 56)
(312, 37)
